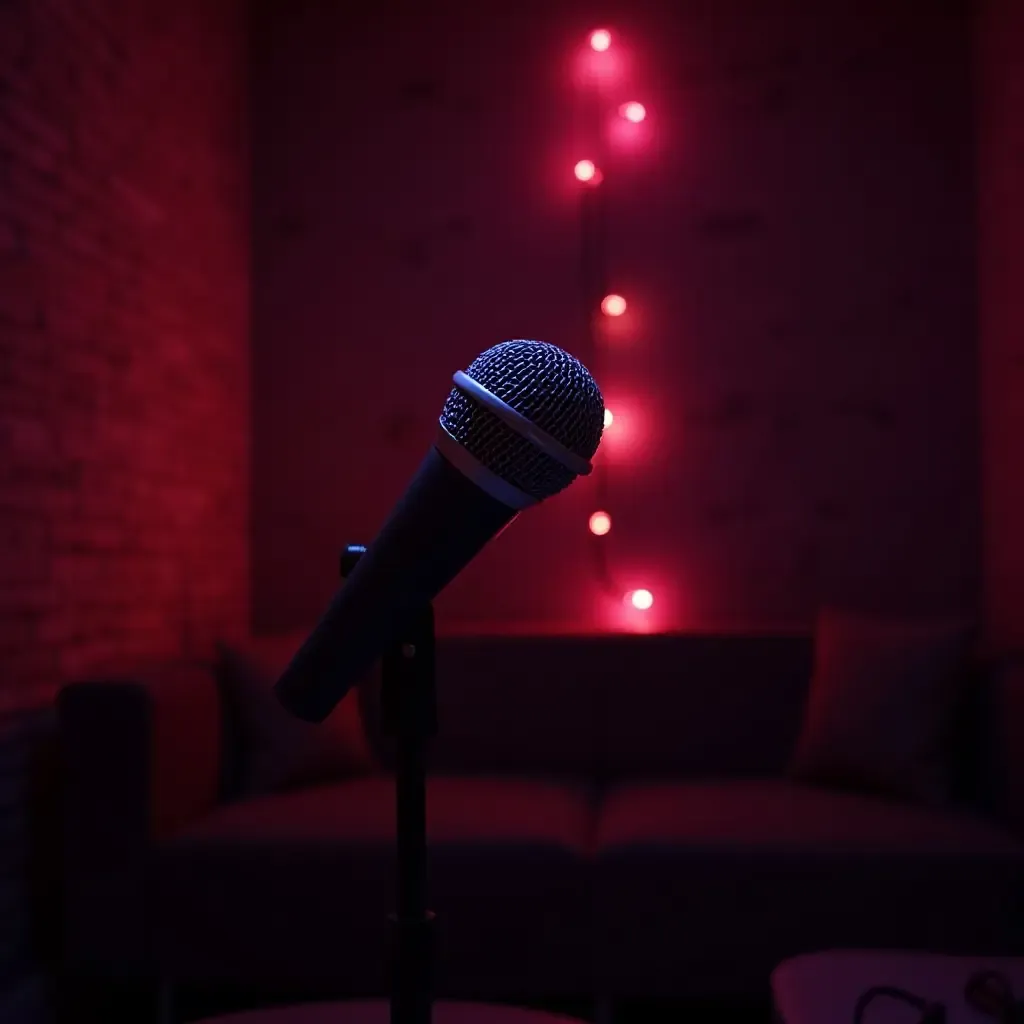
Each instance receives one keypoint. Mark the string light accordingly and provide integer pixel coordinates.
(587, 172)
(593, 218)
(600, 523)
(613, 305)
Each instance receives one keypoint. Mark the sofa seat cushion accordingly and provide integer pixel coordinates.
(719, 882)
(296, 888)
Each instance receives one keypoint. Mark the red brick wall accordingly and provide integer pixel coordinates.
(1001, 282)
(123, 333)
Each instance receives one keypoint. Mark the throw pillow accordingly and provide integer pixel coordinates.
(278, 751)
(883, 705)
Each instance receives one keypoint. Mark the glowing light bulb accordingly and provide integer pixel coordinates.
(613, 305)
(609, 419)
(633, 111)
(586, 171)
(600, 523)
(640, 599)
(600, 39)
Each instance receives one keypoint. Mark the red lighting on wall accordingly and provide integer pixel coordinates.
(600, 523)
(628, 443)
(633, 111)
(613, 305)
(601, 60)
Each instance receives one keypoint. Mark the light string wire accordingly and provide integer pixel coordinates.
(594, 279)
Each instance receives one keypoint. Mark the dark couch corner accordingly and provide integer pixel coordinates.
(603, 821)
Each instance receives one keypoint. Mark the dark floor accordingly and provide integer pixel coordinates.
(633, 1012)
(121, 1006)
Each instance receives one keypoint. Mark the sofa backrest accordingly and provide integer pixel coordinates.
(619, 706)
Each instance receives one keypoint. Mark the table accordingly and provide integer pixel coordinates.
(823, 988)
(377, 1011)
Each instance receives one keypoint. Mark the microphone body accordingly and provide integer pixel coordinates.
(440, 524)
(519, 426)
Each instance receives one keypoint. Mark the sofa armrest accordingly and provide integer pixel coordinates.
(141, 757)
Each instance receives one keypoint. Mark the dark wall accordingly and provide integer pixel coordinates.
(1001, 285)
(124, 371)
(795, 381)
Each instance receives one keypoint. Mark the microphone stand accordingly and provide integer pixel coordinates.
(409, 716)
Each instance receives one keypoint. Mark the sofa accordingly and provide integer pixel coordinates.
(609, 816)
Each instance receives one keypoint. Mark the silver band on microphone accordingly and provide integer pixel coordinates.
(489, 482)
(521, 425)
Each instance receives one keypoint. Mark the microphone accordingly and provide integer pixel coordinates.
(519, 425)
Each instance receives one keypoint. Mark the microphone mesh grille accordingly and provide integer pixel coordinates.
(550, 388)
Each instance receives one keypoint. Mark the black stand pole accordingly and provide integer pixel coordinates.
(409, 715)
